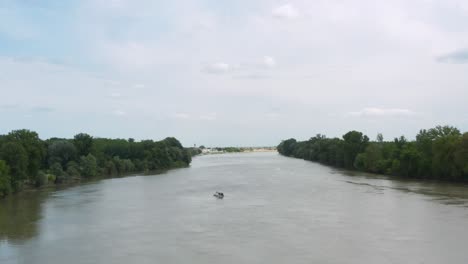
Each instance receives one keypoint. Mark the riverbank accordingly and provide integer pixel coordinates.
(439, 153)
(207, 151)
(26, 161)
(28, 189)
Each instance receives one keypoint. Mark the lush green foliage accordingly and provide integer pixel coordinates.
(195, 151)
(437, 153)
(5, 181)
(230, 149)
(25, 159)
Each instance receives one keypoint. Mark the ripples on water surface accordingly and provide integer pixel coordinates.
(275, 210)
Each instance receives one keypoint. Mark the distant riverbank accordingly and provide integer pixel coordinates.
(439, 153)
(217, 150)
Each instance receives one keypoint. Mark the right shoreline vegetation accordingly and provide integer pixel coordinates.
(27, 162)
(439, 153)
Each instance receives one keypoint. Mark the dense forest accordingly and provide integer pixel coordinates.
(437, 153)
(26, 160)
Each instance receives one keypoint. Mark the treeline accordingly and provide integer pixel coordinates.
(229, 149)
(26, 160)
(437, 153)
(203, 149)
(194, 151)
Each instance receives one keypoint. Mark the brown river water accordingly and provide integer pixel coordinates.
(275, 210)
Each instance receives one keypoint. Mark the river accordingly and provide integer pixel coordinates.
(275, 210)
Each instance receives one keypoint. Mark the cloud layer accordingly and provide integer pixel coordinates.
(382, 112)
(286, 11)
(233, 72)
(460, 56)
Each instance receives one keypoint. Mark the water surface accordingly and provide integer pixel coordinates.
(275, 210)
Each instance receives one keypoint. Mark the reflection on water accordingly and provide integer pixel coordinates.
(19, 215)
(276, 210)
(444, 192)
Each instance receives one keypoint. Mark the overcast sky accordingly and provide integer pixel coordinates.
(244, 72)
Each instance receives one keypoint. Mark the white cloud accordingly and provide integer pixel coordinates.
(129, 55)
(112, 82)
(286, 11)
(218, 68)
(42, 109)
(9, 106)
(385, 59)
(181, 115)
(273, 116)
(116, 3)
(269, 62)
(115, 95)
(459, 56)
(247, 69)
(208, 117)
(203, 24)
(382, 112)
(119, 113)
(252, 76)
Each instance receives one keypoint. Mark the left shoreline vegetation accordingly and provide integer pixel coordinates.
(26, 161)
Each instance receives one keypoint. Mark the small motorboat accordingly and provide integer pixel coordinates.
(219, 195)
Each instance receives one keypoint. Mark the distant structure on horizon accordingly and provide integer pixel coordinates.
(218, 150)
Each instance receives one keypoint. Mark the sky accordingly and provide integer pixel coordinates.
(232, 73)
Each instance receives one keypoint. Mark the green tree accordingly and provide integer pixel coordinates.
(443, 131)
(360, 162)
(440, 152)
(28, 157)
(444, 150)
(57, 171)
(128, 165)
(83, 144)
(110, 168)
(73, 169)
(119, 165)
(62, 151)
(89, 166)
(287, 147)
(461, 156)
(172, 142)
(336, 152)
(5, 180)
(380, 138)
(17, 159)
(354, 143)
(424, 145)
(409, 160)
(373, 157)
(42, 179)
(395, 168)
(33, 147)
